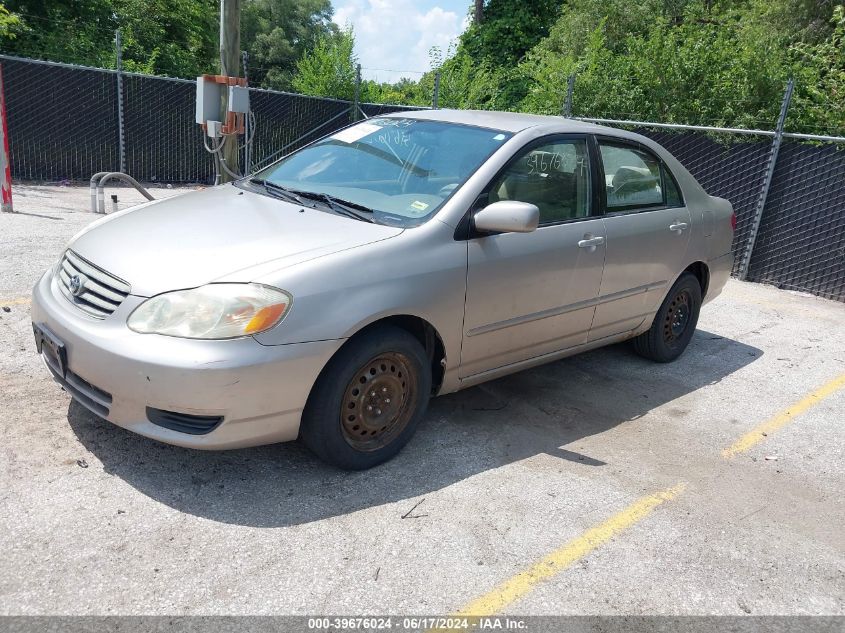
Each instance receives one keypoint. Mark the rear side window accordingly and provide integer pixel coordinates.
(632, 177)
(673, 194)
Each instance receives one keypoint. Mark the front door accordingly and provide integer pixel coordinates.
(648, 231)
(530, 294)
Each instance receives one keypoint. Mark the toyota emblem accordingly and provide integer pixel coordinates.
(77, 285)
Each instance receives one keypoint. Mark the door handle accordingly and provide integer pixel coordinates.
(590, 242)
(678, 227)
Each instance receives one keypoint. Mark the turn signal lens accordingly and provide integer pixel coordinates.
(266, 318)
(733, 222)
(215, 311)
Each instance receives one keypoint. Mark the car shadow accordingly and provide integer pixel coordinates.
(541, 410)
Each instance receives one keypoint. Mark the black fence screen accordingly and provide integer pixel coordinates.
(64, 123)
(801, 241)
(801, 244)
(731, 169)
(64, 126)
(163, 141)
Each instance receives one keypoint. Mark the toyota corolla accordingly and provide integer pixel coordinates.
(330, 295)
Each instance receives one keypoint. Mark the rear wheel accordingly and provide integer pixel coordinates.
(674, 324)
(369, 399)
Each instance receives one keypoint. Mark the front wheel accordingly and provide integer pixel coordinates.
(369, 400)
(674, 324)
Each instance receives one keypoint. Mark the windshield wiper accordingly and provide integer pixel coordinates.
(342, 207)
(338, 205)
(277, 190)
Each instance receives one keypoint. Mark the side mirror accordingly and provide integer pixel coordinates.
(508, 216)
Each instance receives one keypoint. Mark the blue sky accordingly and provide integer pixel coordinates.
(393, 37)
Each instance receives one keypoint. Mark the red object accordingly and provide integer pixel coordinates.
(5, 165)
(733, 221)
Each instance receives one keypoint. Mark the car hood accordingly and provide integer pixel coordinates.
(220, 232)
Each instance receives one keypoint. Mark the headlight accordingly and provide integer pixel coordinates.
(215, 311)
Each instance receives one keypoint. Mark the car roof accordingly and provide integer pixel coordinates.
(503, 121)
(514, 122)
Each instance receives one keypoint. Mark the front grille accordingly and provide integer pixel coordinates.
(183, 422)
(99, 293)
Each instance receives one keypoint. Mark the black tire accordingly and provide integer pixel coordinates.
(674, 324)
(355, 428)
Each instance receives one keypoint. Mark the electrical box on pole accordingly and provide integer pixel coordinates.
(210, 91)
(223, 120)
(238, 99)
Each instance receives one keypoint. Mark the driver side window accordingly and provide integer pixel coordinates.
(553, 176)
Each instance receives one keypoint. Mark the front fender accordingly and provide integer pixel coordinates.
(420, 273)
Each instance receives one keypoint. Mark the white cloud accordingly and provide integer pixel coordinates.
(397, 35)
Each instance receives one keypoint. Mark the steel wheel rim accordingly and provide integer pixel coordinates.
(678, 318)
(378, 402)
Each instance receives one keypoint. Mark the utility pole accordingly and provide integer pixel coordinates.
(230, 54)
(479, 11)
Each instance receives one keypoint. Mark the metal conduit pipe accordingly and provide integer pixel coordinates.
(92, 187)
(115, 175)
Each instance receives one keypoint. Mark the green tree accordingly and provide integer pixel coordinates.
(509, 30)
(167, 37)
(77, 31)
(819, 101)
(405, 92)
(177, 38)
(798, 21)
(712, 63)
(329, 69)
(10, 23)
(277, 33)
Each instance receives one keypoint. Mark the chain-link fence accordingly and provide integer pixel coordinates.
(62, 122)
(163, 143)
(732, 169)
(65, 123)
(800, 244)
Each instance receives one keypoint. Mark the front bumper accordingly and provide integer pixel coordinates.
(259, 391)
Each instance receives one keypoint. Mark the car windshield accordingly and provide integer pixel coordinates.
(401, 169)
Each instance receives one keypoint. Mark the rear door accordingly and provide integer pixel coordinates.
(648, 230)
(529, 294)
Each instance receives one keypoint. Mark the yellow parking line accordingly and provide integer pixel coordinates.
(511, 590)
(784, 417)
(20, 301)
(516, 587)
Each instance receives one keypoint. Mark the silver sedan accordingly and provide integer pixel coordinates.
(330, 295)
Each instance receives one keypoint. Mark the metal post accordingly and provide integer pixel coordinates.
(567, 104)
(247, 127)
(118, 46)
(764, 192)
(357, 98)
(436, 98)
(5, 164)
